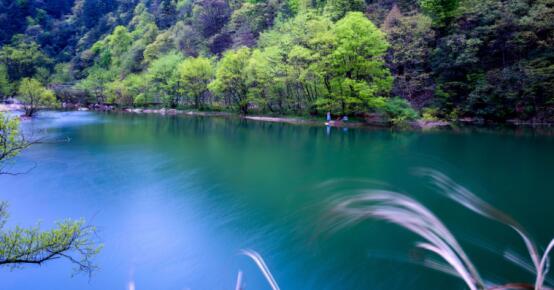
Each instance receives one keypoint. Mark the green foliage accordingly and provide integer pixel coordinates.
(500, 66)
(22, 59)
(163, 76)
(488, 59)
(441, 11)
(409, 57)
(6, 88)
(399, 110)
(231, 79)
(336, 9)
(266, 79)
(34, 95)
(62, 74)
(310, 62)
(42, 75)
(11, 142)
(195, 75)
(95, 83)
(358, 73)
(294, 6)
(111, 50)
(117, 55)
(72, 240)
(429, 114)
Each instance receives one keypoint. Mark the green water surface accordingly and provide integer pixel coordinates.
(175, 198)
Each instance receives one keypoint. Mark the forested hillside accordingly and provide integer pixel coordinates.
(449, 59)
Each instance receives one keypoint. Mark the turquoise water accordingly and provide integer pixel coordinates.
(175, 199)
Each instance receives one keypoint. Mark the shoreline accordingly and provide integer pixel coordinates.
(418, 124)
(296, 120)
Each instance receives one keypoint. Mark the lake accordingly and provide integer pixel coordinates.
(175, 199)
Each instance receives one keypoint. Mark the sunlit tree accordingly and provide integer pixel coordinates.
(359, 79)
(163, 75)
(196, 74)
(34, 96)
(231, 79)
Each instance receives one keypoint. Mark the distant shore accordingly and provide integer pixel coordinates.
(419, 124)
(261, 118)
(371, 122)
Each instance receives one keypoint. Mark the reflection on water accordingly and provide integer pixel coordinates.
(176, 198)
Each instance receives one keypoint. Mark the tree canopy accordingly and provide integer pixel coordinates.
(34, 95)
(489, 60)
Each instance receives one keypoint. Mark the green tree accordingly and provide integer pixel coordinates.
(336, 9)
(399, 110)
(118, 93)
(196, 74)
(111, 51)
(231, 79)
(500, 66)
(62, 74)
(297, 53)
(441, 11)
(6, 88)
(96, 83)
(266, 78)
(22, 58)
(162, 44)
(409, 56)
(124, 92)
(11, 142)
(71, 240)
(163, 75)
(34, 95)
(358, 77)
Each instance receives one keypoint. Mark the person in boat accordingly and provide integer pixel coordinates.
(345, 118)
(328, 116)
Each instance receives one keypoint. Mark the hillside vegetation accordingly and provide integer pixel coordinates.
(450, 59)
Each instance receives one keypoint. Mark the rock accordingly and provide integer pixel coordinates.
(430, 124)
(470, 120)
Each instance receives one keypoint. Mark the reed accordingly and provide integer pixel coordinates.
(257, 258)
(408, 213)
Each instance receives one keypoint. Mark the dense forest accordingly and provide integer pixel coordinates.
(489, 60)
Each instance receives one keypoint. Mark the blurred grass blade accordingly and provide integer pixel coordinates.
(410, 214)
(544, 267)
(257, 258)
(239, 281)
(466, 198)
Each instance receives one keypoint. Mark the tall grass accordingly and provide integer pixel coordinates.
(257, 258)
(410, 214)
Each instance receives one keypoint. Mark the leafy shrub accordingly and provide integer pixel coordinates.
(399, 110)
(429, 114)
